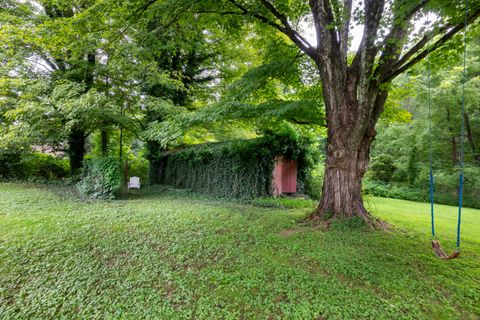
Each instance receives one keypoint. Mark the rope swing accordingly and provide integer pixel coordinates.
(435, 243)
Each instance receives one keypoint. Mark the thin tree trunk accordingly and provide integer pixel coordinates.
(77, 136)
(126, 170)
(76, 149)
(476, 153)
(453, 143)
(104, 142)
(453, 140)
(120, 149)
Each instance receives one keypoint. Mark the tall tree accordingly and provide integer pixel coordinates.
(48, 61)
(60, 81)
(63, 68)
(354, 86)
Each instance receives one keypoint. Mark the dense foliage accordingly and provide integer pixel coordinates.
(396, 191)
(241, 168)
(101, 178)
(28, 165)
(401, 153)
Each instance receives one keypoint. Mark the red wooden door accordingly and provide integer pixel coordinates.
(284, 176)
(289, 176)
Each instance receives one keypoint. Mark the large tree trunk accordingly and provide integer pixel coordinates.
(342, 185)
(76, 149)
(353, 107)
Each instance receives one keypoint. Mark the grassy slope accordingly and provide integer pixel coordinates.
(415, 216)
(172, 256)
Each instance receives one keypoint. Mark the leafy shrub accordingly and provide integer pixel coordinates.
(412, 167)
(101, 178)
(10, 163)
(381, 189)
(44, 166)
(32, 165)
(400, 174)
(382, 168)
(314, 181)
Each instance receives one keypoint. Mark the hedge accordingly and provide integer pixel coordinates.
(385, 190)
(239, 169)
(29, 165)
(101, 178)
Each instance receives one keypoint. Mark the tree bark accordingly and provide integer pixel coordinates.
(76, 149)
(342, 186)
(77, 136)
(120, 148)
(346, 164)
(352, 107)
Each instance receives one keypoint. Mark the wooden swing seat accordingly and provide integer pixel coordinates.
(439, 251)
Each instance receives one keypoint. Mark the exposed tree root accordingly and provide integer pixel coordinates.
(325, 220)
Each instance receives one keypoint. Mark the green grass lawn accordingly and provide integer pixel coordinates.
(170, 255)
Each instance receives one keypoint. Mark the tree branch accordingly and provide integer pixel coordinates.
(395, 39)
(363, 65)
(220, 12)
(291, 32)
(345, 28)
(421, 43)
(263, 19)
(300, 41)
(324, 22)
(367, 50)
(405, 62)
(52, 65)
(143, 8)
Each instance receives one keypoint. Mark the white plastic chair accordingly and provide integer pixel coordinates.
(134, 183)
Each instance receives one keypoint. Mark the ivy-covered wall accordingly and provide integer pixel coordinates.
(240, 169)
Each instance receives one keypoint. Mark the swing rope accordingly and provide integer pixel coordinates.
(462, 129)
(435, 243)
